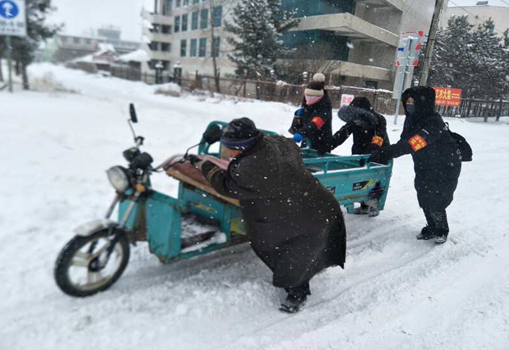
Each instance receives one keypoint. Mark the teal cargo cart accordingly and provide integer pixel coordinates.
(197, 222)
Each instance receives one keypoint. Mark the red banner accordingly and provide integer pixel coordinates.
(447, 97)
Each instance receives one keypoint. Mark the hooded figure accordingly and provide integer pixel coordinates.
(294, 224)
(369, 128)
(369, 131)
(314, 119)
(437, 161)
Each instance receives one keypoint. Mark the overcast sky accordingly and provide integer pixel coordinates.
(81, 16)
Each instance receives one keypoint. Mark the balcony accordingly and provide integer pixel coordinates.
(348, 25)
(157, 18)
(394, 4)
(160, 56)
(159, 37)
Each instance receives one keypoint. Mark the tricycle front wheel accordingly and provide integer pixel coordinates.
(88, 265)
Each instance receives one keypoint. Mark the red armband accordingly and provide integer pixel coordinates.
(319, 122)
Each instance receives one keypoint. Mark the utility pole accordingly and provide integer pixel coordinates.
(435, 22)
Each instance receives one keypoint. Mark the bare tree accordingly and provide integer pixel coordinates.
(227, 6)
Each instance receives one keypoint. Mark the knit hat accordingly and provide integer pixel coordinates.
(316, 86)
(240, 134)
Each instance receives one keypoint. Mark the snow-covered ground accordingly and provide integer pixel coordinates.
(395, 293)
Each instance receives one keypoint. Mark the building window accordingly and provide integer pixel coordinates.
(216, 47)
(165, 47)
(185, 19)
(154, 46)
(183, 48)
(88, 41)
(203, 47)
(371, 84)
(186, 2)
(196, 2)
(167, 6)
(217, 16)
(204, 19)
(166, 29)
(76, 40)
(179, 3)
(194, 20)
(194, 45)
(156, 28)
(177, 24)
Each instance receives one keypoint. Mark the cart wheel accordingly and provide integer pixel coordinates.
(84, 266)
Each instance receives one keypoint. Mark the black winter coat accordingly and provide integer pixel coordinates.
(369, 130)
(437, 162)
(294, 224)
(316, 124)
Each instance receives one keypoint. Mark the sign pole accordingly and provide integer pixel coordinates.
(9, 61)
(403, 79)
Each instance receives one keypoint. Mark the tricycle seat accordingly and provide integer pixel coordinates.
(187, 173)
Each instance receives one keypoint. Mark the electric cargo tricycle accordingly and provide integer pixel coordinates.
(197, 222)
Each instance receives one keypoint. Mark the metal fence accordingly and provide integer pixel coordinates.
(474, 108)
(381, 100)
(286, 93)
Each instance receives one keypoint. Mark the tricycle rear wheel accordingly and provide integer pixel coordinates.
(85, 267)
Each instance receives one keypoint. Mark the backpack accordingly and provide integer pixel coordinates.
(464, 149)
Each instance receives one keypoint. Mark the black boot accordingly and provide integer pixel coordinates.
(426, 234)
(296, 299)
(441, 236)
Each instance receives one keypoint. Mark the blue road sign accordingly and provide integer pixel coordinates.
(8, 9)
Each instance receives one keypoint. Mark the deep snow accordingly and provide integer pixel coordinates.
(395, 293)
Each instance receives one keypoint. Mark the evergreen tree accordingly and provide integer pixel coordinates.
(37, 30)
(487, 50)
(473, 61)
(451, 62)
(257, 43)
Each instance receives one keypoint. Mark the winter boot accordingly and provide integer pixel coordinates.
(362, 210)
(373, 212)
(292, 304)
(296, 298)
(426, 234)
(441, 236)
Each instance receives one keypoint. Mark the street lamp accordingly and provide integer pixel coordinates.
(159, 72)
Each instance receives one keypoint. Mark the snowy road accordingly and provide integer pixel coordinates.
(395, 293)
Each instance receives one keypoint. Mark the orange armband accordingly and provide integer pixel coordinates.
(417, 142)
(377, 140)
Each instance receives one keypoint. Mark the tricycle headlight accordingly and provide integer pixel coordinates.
(119, 178)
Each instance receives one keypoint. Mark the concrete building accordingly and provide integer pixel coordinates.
(478, 14)
(69, 47)
(354, 41)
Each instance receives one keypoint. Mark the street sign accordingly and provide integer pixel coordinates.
(407, 57)
(409, 54)
(447, 97)
(13, 18)
(346, 100)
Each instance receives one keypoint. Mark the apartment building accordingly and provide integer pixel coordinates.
(354, 40)
(480, 13)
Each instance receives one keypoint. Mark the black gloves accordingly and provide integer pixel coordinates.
(382, 156)
(193, 159)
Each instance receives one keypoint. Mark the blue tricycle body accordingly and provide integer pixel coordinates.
(159, 218)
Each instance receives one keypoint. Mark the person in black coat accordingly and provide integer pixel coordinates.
(314, 119)
(369, 130)
(437, 161)
(293, 222)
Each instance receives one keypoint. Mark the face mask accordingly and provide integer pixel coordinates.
(410, 108)
(312, 99)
